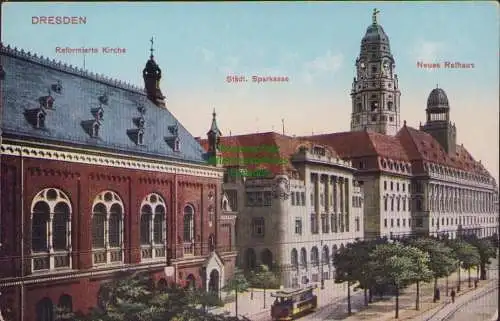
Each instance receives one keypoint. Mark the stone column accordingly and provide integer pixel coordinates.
(341, 205)
(347, 202)
(50, 240)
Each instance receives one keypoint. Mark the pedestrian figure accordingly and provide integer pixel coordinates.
(437, 295)
(475, 283)
(453, 296)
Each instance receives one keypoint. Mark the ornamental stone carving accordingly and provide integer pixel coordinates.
(281, 189)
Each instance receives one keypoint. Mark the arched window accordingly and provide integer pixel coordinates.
(146, 218)
(334, 252)
(314, 256)
(153, 227)
(39, 227)
(294, 258)
(64, 308)
(188, 223)
(44, 310)
(50, 230)
(107, 228)
(325, 256)
(211, 242)
(303, 257)
(60, 227)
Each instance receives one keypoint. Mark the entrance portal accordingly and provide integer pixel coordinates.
(213, 283)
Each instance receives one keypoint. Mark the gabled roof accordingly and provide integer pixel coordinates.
(273, 146)
(28, 79)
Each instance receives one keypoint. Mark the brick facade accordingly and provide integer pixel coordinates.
(82, 183)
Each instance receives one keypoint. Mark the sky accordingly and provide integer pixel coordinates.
(314, 44)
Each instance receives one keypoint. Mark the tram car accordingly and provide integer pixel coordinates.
(290, 304)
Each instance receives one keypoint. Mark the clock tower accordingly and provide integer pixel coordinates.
(375, 90)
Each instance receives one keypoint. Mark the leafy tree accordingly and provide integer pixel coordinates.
(399, 266)
(131, 297)
(361, 271)
(467, 255)
(345, 262)
(264, 278)
(486, 251)
(239, 284)
(442, 261)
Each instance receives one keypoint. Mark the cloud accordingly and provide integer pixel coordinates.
(327, 63)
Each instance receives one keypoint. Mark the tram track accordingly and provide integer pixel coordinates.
(450, 314)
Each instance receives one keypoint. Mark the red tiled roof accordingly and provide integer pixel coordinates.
(409, 144)
(281, 148)
(362, 144)
(420, 145)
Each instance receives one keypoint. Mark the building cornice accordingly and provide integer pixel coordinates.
(91, 157)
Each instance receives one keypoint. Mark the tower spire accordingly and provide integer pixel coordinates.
(152, 75)
(374, 16)
(151, 49)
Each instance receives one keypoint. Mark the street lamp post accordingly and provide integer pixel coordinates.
(322, 262)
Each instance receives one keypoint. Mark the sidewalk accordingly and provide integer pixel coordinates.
(381, 310)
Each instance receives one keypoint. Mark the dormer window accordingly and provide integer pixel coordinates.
(40, 120)
(103, 99)
(318, 150)
(136, 135)
(177, 145)
(173, 142)
(95, 129)
(91, 127)
(57, 87)
(140, 137)
(36, 117)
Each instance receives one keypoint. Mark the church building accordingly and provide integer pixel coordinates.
(98, 176)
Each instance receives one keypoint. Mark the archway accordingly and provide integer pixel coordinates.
(191, 282)
(45, 310)
(250, 258)
(213, 283)
(162, 285)
(266, 257)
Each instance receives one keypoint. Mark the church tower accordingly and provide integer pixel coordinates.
(438, 123)
(152, 76)
(375, 91)
(214, 134)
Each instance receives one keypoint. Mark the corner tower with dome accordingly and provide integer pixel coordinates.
(438, 123)
(375, 92)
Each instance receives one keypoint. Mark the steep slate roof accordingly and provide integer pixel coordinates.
(28, 77)
(279, 147)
